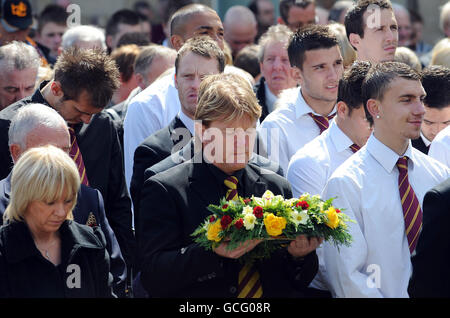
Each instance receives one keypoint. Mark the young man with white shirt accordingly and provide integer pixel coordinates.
(382, 187)
(436, 82)
(372, 30)
(303, 113)
(312, 165)
(440, 147)
(155, 107)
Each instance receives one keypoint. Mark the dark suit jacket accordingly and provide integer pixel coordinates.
(420, 145)
(260, 92)
(153, 149)
(431, 276)
(89, 201)
(173, 204)
(102, 156)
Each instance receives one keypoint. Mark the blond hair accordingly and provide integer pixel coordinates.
(441, 57)
(42, 174)
(226, 97)
(347, 51)
(407, 56)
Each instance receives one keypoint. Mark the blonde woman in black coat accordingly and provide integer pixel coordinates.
(43, 253)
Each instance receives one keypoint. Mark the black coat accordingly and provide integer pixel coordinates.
(152, 150)
(88, 201)
(24, 272)
(431, 276)
(102, 157)
(420, 145)
(173, 204)
(260, 92)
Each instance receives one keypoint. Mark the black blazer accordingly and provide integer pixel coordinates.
(431, 277)
(260, 92)
(153, 149)
(173, 205)
(24, 272)
(89, 201)
(102, 156)
(420, 145)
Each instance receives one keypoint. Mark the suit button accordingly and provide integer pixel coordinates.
(233, 289)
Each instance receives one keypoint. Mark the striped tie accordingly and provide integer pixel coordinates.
(354, 148)
(322, 122)
(249, 282)
(75, 154)
(412, 213)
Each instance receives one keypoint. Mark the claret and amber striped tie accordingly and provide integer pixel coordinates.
(75, 154)
(322, 122)
(412, 213)
(249, 283)
(354, 148)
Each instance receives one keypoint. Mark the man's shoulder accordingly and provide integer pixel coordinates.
(430, 164)
(317, 150)
(156, 91)
(9, 112)
(176, 175)
(268, 176)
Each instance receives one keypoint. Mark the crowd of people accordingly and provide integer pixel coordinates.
(115, 139)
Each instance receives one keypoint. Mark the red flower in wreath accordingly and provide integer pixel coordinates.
(212, 219)
(303, 204)
(338, 211)
(225, 221)
(247, 201)
(258, 211)
(225, 206)
(239, 223)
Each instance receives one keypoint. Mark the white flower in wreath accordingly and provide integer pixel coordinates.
(268, 195)
(249, 221)
(299, 217)
(247, 210)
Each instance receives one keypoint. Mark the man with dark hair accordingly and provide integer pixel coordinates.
(304, 112)
(124, 21)
(372, 30)
(382, 187)
(264, 12)
(175, 202)
(83, 85)
(155, 107)
(297, 13)
(312, 165)
(52, 23)
(436, 82)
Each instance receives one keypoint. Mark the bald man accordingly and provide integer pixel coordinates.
(240, 28)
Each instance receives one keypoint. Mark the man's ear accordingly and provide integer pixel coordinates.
(109, 40)
(15, 152)
(176, 41)
(373, 108)
(140, 80)
(55, 88)
(354, 40)
(342, 109)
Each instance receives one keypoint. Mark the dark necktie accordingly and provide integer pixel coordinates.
(354, 148)
(248, 280)
(75, 154)
(322, 122)
(412, 213)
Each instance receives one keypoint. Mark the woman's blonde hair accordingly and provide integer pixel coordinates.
(407, 56)
(42, 174)
(226, 97)
(441, 57)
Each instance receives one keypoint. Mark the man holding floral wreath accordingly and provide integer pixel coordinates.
(175, 202)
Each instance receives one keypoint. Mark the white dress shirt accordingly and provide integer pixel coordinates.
(311, 167)
(366, 189)
(151, 110)
(289, 127)
(440, 147)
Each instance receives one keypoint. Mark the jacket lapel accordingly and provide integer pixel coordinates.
(253, 184)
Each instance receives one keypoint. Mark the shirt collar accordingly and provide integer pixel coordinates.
(302, 108)
(189, 123)
(340, 140)
(385, 156)
(425, 140)
(220, 176)
(270, 98)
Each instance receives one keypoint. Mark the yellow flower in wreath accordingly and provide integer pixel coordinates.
(333, 218)
(213, 231)
(274, 224)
